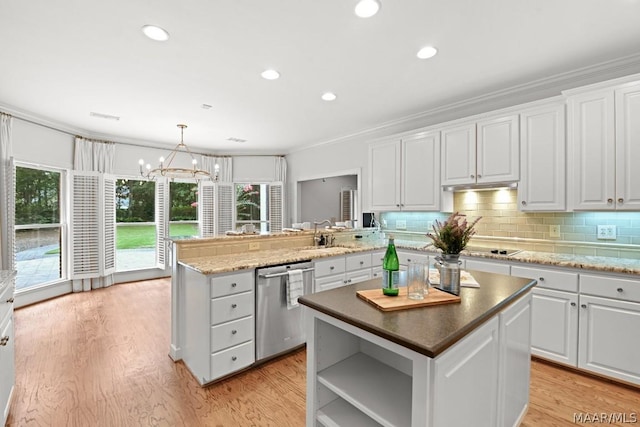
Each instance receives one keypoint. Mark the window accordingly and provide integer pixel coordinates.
(38, 225)
(183, 215)
(135, 224)
(260, 205)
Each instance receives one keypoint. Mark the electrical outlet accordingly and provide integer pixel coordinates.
(254, 246)
(401, 224)
(554, 231)
(607, 232)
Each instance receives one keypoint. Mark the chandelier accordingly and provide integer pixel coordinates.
(165, 169)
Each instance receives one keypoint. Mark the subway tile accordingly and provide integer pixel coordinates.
(576, 237)
(629, 254)
(582, 250)
(552, 220)
(560, 249)
(608, 252)
(525, 228)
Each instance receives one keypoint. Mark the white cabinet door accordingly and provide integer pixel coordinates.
(628, 148)
(542, 143)
(7, 365)
(421, 172)
(606, 345)
(554, 333)
(592, 141)
(384, 172)
(458, 155)
(498, 150)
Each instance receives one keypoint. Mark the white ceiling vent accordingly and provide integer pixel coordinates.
(104, 116)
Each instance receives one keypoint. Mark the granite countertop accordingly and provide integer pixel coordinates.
(426, 330)
(233, 262)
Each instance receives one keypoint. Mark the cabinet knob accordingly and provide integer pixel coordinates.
(408, 259)
(331, 268)
(4, 340)
(361, 262)
(397, 205)
(234, 305)
(234, 332)
(609, 201)
(524, 203)
(479, 176)
(472, 176)
(10, 300)
(621, 200)
(234, 358)
(349, 281)
(573, 304)
(620, 290)
(234, 284)
(541, 279)
(344, 281)
(583, 305)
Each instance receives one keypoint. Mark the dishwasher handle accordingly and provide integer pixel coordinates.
(270, 276)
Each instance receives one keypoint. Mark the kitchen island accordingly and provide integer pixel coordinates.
(458, 364)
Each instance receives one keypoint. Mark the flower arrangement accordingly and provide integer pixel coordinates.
(452, 235)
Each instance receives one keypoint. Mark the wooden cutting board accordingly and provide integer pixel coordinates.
(401, 302)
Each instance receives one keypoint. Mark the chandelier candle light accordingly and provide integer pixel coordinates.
(169, 171)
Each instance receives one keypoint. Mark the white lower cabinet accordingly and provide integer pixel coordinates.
(219, 326)
(7, 345)
(341, 271)
(607, 345)
(554, 332)
(355, 378)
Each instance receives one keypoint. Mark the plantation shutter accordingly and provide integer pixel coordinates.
(206, 208)
(162, 221)
(225, 207)
(109, 224)
(276, 207)
(11, 215)
(85, 227)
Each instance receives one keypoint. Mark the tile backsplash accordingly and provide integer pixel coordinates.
(502, 224)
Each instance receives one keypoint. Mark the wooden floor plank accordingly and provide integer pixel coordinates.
(100, 358)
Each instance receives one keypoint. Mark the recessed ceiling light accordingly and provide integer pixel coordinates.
(427, 52)
(367, 8)
(329, 96)
(155, 33)
(270, 74)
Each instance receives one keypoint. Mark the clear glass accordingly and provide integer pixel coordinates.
(417, 280)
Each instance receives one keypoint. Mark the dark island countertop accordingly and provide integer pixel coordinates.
(427, 330)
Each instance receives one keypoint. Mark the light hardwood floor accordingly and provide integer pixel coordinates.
(100, 359)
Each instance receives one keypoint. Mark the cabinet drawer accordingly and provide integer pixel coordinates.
(489, 267)
(231, 307)
(356, 262)
(231, 333)
(232, 359)
(548, 279)
(624, 289)
(330, 282)
(6, 301)
(377, 258)
(329, 266)
(231, 284)
(376, 273)
(406, 257)
(358, 276)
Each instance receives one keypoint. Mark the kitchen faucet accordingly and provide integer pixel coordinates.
(316, 239)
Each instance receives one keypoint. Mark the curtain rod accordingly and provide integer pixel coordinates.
(74, 134)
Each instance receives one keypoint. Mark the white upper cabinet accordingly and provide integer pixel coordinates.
(542, 145)
(481, 152)
(604, 137)
(405, 173)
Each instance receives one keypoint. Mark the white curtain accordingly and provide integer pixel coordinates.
(225, 174)
(96, 156)
(281, 169)
(7, 248)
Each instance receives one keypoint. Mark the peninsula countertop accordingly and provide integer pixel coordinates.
(427, 330)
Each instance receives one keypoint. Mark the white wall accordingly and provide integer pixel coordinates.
(254, 169)
(320, 198)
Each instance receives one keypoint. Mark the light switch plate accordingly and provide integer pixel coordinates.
(401, 224)
(607, 232)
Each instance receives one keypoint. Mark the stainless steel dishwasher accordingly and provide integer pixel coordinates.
(278, 327)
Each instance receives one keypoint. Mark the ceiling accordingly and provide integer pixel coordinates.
(60, 61)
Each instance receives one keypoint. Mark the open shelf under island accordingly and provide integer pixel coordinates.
(458, 364)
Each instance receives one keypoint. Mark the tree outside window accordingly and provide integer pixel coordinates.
(183, 215)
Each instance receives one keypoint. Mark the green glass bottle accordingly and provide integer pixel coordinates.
(391, 269)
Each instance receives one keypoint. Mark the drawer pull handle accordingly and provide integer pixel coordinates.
(234, 284)
(584, 306)
(541, 279)
(4, 341)
(573, 304)
(234, 305)
(10, 300)
(234, 358)
(620, 290)
(233, 332)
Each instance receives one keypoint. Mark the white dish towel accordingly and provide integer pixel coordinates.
(294, 288)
